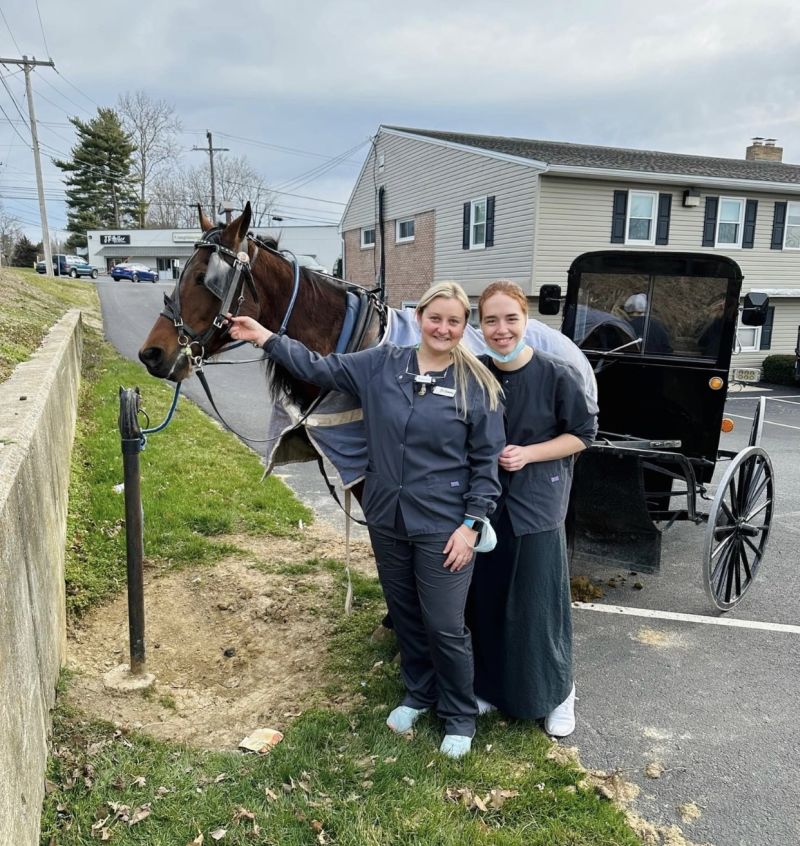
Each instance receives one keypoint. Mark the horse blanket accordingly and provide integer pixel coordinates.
(335, 430)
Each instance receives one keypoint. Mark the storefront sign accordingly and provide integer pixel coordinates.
(115, 239)
(187, 235)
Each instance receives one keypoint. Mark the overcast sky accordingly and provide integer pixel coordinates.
(318, 78)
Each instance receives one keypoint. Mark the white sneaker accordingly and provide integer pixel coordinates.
(560, 721)
(484, 707)
(403, 717)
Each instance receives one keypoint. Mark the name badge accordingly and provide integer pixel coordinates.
(444, 392)
(423, 379)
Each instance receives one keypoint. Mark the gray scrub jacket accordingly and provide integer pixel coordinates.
(544, 398)
(425, 458)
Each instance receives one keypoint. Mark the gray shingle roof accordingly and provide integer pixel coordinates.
(619, 158)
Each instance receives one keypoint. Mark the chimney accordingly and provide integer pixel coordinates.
(764, 150)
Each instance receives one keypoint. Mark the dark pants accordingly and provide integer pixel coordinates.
(426, 603)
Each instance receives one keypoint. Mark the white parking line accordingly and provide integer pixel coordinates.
(687, 618)
(770, 422)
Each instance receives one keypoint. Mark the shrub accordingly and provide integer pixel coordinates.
(779, 369)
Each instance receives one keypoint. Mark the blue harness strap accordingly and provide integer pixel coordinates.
(350, 317)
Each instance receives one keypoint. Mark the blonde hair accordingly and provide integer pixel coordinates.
(465, 363)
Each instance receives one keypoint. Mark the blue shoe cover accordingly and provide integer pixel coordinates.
(455, 745)
(403, 717)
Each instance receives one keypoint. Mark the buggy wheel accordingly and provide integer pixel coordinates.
(738, 527)
(758, 422)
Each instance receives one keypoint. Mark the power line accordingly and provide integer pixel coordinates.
(16, 105)
(9, 30)
(62, 94)
(77, 89)
(293, 150)
(41, 26)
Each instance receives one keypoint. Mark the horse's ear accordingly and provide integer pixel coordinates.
(205, 223)
(243, 222)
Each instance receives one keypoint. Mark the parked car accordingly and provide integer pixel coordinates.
(66, 265)
(311, 263)
(134, 273)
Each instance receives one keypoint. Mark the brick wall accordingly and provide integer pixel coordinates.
(409, 265)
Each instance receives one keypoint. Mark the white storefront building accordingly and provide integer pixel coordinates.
(167, 250)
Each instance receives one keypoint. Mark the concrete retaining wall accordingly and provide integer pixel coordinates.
(38, 407)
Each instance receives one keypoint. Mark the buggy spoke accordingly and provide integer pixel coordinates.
(745, 564)
(723, 543)
(758, 510)
(728, 512)
(755, 494)
(734, 506)
(756, 550)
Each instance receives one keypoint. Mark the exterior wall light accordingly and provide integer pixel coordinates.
(691, 198)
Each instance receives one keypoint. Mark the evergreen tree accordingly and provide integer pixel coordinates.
(101, 189)
(24, 253)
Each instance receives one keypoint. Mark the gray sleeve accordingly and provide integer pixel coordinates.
(347, 372)
(575, 411)
(485, 443)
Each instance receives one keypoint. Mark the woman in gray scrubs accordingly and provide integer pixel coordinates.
(434, 430)
(519, 610)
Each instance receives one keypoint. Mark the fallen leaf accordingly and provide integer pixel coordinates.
(389, 760)
(409, 781)
(271, 794)
(141, 813)
(497, 796)
(689, 812)
(139, 781)
(219, 833)
(220, 777)
(316, 825)
(479, 803)
(243, 814)
(198, 841)
(162, 791)
(654, 769)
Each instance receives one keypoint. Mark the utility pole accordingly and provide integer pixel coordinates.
(27, 65)
(211, 150)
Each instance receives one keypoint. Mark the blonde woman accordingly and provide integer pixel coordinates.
(434, 429)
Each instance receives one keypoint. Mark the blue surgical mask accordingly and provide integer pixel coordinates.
(504, 359)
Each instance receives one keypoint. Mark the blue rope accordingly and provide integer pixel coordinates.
(165, 422)
(296, 288)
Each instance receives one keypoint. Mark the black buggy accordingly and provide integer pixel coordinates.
(659, 329)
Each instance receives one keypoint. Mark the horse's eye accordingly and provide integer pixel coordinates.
(200, 278)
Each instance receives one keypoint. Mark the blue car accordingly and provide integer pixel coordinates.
(134, 273)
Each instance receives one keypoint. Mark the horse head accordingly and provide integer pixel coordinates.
(216, 278)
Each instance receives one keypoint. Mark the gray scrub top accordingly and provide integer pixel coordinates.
(425, 457)
(544, 398)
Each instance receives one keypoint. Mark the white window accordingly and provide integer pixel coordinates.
(791, 239)
(748, 338)
(477, 224)
(404, 230)
(730, 219)
(368, 238)
(640, 227)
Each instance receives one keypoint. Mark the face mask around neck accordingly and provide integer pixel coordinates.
(504, 359)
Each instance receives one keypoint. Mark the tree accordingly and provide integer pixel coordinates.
(101, 189)
(10, 233)
(152, 125)
(24, 253)
(238, 181)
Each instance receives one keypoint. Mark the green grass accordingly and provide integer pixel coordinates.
(339, 777)
(197, 482)
(29, 305)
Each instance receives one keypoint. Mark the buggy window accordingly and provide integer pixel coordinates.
(639, 314)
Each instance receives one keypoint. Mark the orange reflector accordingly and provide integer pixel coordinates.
(727, 425)
(715, 383)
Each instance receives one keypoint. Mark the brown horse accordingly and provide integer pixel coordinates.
(230, 269)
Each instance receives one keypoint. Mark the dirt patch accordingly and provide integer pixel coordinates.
(233, 647)
(661, 640)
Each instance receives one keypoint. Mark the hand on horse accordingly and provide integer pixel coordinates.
(247, 329)
(460, 548)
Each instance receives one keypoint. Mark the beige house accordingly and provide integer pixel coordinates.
(475, 208)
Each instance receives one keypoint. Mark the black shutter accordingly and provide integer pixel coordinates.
(490, 221)
(778, 225)
(465, 227)
(662, 225)
(766, 329)
(749, 233)
(710, 223)
(618, 214)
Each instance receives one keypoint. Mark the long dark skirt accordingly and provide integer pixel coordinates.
(520, 615)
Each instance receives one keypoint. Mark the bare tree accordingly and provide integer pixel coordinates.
(152, 125)
(10, 233)
(175, 194)
(239, 183)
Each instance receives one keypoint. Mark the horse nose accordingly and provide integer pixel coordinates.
(152, 358)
